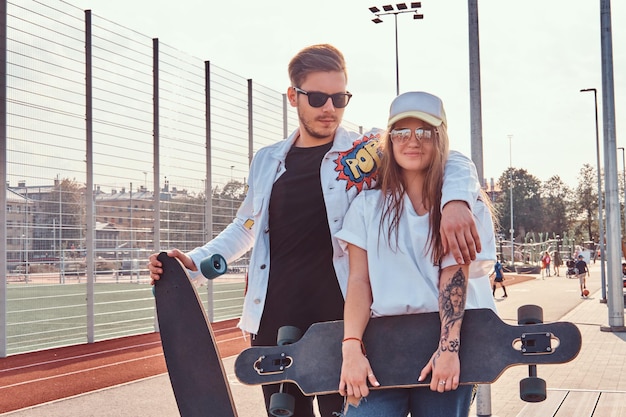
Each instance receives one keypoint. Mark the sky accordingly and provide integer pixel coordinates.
(535, 57)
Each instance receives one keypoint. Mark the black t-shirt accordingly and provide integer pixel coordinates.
(303, 287)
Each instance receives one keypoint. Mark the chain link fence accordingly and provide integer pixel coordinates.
(115, 145)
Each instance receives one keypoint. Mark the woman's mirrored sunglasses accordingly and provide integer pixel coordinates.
(317, 99)
(422, 134)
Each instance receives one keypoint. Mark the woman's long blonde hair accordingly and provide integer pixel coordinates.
(392, 183)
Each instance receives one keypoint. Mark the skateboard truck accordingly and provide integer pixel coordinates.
(536, 343)
(281, 403)
(533, 389)
(272, 364)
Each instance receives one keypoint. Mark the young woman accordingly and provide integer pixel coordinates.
(398, 265)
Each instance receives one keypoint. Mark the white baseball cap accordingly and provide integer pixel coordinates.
(420, 105)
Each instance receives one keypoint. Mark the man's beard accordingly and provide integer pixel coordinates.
(313, 133)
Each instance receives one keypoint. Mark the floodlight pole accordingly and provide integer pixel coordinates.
(400, 8)
(395, 19)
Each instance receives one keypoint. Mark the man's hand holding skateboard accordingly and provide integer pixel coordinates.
(156, 267)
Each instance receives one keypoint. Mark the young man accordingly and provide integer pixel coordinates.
(582, 274)
(498, 270)
(299, 191)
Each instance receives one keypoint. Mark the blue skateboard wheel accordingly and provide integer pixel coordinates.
(213, 266)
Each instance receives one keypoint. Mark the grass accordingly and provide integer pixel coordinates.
(42, 316)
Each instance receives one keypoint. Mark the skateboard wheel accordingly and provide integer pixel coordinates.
(529, 314)
(532, 389)
(287, 335)
(213, 266)
(282, 404)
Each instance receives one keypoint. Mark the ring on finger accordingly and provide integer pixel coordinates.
(442, 382)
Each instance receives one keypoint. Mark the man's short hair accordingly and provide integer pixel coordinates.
(315, 58)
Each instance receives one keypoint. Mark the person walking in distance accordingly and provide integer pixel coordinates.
(299, 190)
(582, 274)
(498, 271)
(557, 261)
(545, 261)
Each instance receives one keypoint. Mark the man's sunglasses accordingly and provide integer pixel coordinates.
(402, 136)
(317, 99)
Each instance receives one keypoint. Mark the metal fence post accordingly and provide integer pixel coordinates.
(89, 209)
(156, 240)
(3, 178)
(208, 209)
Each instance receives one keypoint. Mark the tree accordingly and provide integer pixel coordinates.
(527, 208)
(226, 202)
(557, 202)
(586, 203)
(60, 216)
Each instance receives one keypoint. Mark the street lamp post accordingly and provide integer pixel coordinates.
(600, 217)
(624, 183)
(400, 8)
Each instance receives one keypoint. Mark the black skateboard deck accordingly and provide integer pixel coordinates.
(398, 347)
(193, 362)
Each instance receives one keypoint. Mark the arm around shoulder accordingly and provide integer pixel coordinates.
(460, 180)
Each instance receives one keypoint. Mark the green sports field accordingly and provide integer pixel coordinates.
(41, 316)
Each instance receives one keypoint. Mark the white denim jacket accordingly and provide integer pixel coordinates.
(348, 168)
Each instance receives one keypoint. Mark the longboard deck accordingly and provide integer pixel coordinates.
(398, 347)
(193, 362)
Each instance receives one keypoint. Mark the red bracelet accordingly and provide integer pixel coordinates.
(358, 340)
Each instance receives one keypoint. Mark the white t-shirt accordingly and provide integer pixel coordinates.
(403, 278)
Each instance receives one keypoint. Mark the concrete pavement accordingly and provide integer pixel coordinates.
(600, 366)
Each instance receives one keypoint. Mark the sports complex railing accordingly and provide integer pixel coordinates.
(113, 145)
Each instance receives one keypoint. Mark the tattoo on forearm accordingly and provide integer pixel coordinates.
(452, 307)
(450, 345)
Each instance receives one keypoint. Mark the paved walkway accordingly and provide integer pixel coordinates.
(600, 366)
